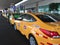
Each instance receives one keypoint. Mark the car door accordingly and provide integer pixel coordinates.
(26, 23)
(19, 23)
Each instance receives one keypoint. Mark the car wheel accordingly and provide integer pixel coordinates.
(15, 27)
(32, 41)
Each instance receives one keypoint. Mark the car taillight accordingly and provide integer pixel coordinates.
(49, 33)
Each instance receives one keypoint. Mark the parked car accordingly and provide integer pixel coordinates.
(39, 29)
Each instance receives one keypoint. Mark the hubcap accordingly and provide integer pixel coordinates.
(32, 41)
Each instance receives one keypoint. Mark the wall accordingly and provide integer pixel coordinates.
(31, 4)
(46, 2)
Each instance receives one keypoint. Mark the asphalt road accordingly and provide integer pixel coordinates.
(8, 36)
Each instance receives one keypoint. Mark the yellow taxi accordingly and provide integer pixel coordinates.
(39, 29)
(12, 17)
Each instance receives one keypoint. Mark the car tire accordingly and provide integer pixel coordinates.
(32, 40)
(15, 27)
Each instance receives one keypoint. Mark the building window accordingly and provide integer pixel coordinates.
(43, 8)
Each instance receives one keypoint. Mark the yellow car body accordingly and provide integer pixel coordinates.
(45, 33)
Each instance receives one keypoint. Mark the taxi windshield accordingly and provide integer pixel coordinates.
(57, 16)
(48, 18)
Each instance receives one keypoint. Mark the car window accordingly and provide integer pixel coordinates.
(55, 16)
(45, 18)
(28, 18)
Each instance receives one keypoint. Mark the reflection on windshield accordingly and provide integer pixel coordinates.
(46, 18)
(57, 16)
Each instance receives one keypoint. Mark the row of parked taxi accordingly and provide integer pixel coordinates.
(39, 28)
